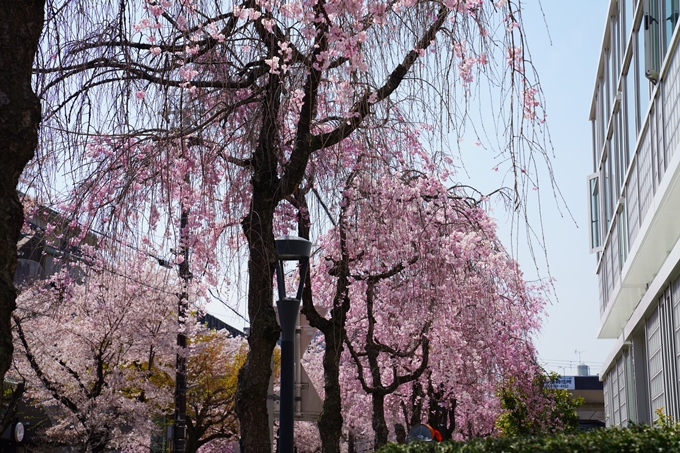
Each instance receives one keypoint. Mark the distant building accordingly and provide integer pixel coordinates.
(43, 248)
(591, 414)
(214, 323)
(634, 206)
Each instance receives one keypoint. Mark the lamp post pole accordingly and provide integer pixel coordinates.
(288, 310)
(289, 249)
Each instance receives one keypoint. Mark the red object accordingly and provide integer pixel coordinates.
(436, 435)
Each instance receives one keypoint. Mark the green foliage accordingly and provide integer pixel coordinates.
(664, 419)
(546, 410)
(636, 439)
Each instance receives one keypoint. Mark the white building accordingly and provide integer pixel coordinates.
(634, 202)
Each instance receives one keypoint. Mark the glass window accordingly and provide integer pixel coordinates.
(676, 321)
(627, 16)
(594, 202)
(629, 112)
(630, 397)
(596, 149)
(651, 24)
(608, 85)
(601, 114)
(641, 82)
(616, 49)
(623, 152)
(621, 370)
(607, 402)
(616, 403)
(660, 20)
(655, 363)
(619, 154)
(623, 236)
(608, 189)
(670, 15)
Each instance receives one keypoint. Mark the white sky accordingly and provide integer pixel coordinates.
(565, 46)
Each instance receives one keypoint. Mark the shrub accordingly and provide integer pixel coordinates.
(636, 439)
(542, 410)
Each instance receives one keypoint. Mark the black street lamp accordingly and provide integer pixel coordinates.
(289, 248)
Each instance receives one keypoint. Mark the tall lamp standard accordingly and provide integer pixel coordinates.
(289, 248)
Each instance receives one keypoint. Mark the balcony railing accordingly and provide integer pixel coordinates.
(654, 151)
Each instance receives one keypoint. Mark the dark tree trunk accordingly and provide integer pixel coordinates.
(413, 412)
(333, 329)
(400, 433)
(254, 376)
(378, 422)
(330, 422)
(372, 352)
(350, 443)
(12, 406)
(450, 427)
(378, 392)
(442, 413)
(196, 429)
(21, 23)
(99, 440)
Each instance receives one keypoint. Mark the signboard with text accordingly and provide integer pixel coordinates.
(562, 383)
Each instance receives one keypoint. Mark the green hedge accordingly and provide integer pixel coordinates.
(637, 439)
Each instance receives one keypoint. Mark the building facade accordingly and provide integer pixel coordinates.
(634, 206)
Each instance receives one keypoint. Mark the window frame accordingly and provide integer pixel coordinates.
(594, 207)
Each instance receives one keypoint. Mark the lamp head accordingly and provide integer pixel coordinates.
(290, 248)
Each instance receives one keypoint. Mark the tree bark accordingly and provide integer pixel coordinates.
(379, 424)
(267, 191)
(330, 422)
(254, 376)
(372, 351)
(98, 442)
(195, 431)
(21, 23)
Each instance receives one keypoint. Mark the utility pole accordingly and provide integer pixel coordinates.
(179, 436)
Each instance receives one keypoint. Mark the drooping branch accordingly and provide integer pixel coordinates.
(306, 143)
(157, 76)
(373, 348)
(362, 108)
(56, 394)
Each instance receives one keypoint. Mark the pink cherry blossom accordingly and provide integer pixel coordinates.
(271, 117)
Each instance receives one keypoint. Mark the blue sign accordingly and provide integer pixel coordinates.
(563, 383)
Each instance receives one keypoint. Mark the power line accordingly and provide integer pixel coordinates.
(227, 305)
(565, 361)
